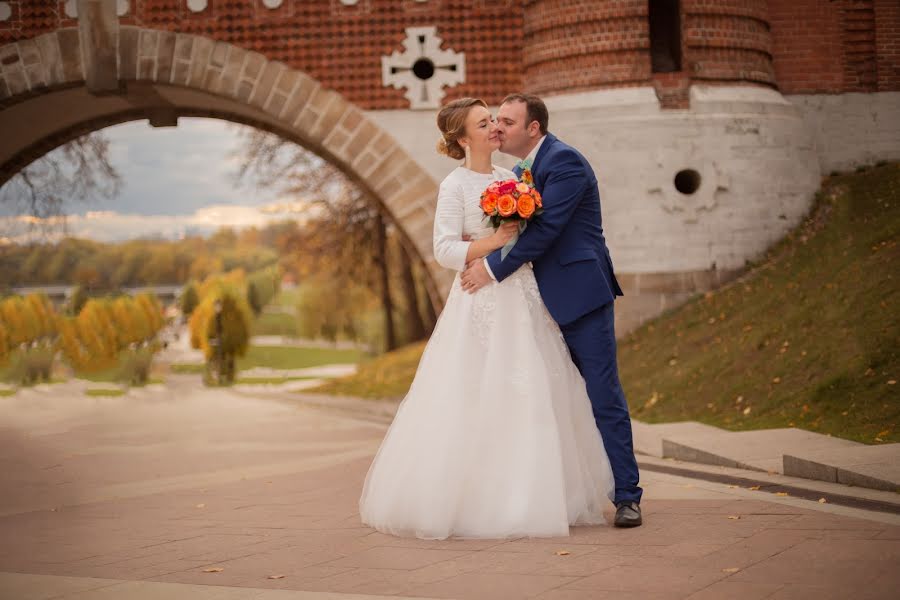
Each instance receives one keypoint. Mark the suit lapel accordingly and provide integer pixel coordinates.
(545, 147)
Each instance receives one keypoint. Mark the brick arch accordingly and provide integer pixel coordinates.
(45, 102)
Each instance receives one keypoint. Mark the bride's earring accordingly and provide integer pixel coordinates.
(468, 157)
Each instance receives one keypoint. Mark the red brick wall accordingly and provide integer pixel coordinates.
(887, 44)
(802, 46)
(573, 45)
(728, 41)
(835, 46)
(339, 45)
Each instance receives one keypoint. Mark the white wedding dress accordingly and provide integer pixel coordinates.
(496, 437)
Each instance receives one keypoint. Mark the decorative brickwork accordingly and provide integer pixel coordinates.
(341, 46)
(548, 47)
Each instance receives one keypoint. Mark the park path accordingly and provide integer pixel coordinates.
(186, 492)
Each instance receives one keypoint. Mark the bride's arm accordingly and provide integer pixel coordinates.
(450, 250)
(484, 246)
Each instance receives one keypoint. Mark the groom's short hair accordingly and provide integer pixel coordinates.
(535, 109)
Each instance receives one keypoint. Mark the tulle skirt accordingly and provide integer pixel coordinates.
(496, 438)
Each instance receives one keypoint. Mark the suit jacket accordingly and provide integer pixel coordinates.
(565, 244)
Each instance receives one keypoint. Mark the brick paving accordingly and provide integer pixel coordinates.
(115, 497)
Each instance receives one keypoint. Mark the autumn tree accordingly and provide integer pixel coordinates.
(89, 340)
(189, 299)
(345, 233)
(220, 326)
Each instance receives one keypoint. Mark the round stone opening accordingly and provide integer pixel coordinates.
(423, 68)
(687, 181)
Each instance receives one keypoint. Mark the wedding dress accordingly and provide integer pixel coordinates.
(495, 438)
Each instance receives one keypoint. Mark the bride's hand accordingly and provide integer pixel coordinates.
(505, 232)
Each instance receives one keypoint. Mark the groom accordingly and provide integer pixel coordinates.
(575, 276)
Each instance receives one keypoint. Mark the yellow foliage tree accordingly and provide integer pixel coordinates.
(22, 324)
(222, 334)
(90, 341)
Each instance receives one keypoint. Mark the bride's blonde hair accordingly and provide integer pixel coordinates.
(451, 120)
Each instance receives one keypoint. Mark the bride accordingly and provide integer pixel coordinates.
(496, 437)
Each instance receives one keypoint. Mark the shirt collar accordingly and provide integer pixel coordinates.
(534, 151)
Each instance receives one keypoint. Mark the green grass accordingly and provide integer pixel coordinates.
(288, 298)
(275, 324)
(7, 392)
(807, 338)
(105, 392)
(105, 376)
(386, 376)
(285, 357)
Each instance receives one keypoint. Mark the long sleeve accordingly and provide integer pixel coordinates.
(449, 248)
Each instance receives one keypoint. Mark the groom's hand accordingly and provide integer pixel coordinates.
(475, 276)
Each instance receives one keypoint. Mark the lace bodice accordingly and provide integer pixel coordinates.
(458, 213)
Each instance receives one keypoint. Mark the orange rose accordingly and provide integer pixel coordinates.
(526, 206)
(526, 177)
(489, 203)
(522, 188)
(506, 205)
(537, 198)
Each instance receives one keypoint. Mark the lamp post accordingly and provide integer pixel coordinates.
(219, 350)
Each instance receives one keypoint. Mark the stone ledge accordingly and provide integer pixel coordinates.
(876, 467)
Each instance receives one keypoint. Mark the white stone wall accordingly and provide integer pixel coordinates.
(852, 129)
(755, 156)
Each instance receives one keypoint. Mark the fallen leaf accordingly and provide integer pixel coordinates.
(747, 411)
(753, 487)
(201, 505)
(563, 553)
(276, 576)
(734, 517)
(732, 486)
(731, 570)
(884, 433)
(822, 501)
(892, 381)
(782, 494)
(213, 570)
(776, 380)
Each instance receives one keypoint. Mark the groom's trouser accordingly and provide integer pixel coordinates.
(592, 343)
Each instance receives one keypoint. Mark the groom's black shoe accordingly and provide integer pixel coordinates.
(628, 514)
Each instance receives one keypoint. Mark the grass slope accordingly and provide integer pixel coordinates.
(807, 338)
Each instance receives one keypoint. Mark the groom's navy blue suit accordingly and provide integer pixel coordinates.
(575, 275)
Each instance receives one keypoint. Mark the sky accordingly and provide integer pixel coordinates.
(175, 181)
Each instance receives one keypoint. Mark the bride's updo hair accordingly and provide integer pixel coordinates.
(451, 120)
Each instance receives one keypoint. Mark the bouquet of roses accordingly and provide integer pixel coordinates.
(511, 200)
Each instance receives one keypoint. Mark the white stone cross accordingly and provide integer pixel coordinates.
(423, 68)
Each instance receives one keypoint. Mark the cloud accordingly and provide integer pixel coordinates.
(174, 171)
(112, 226)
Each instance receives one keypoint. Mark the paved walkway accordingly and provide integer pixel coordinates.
(194, 493)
